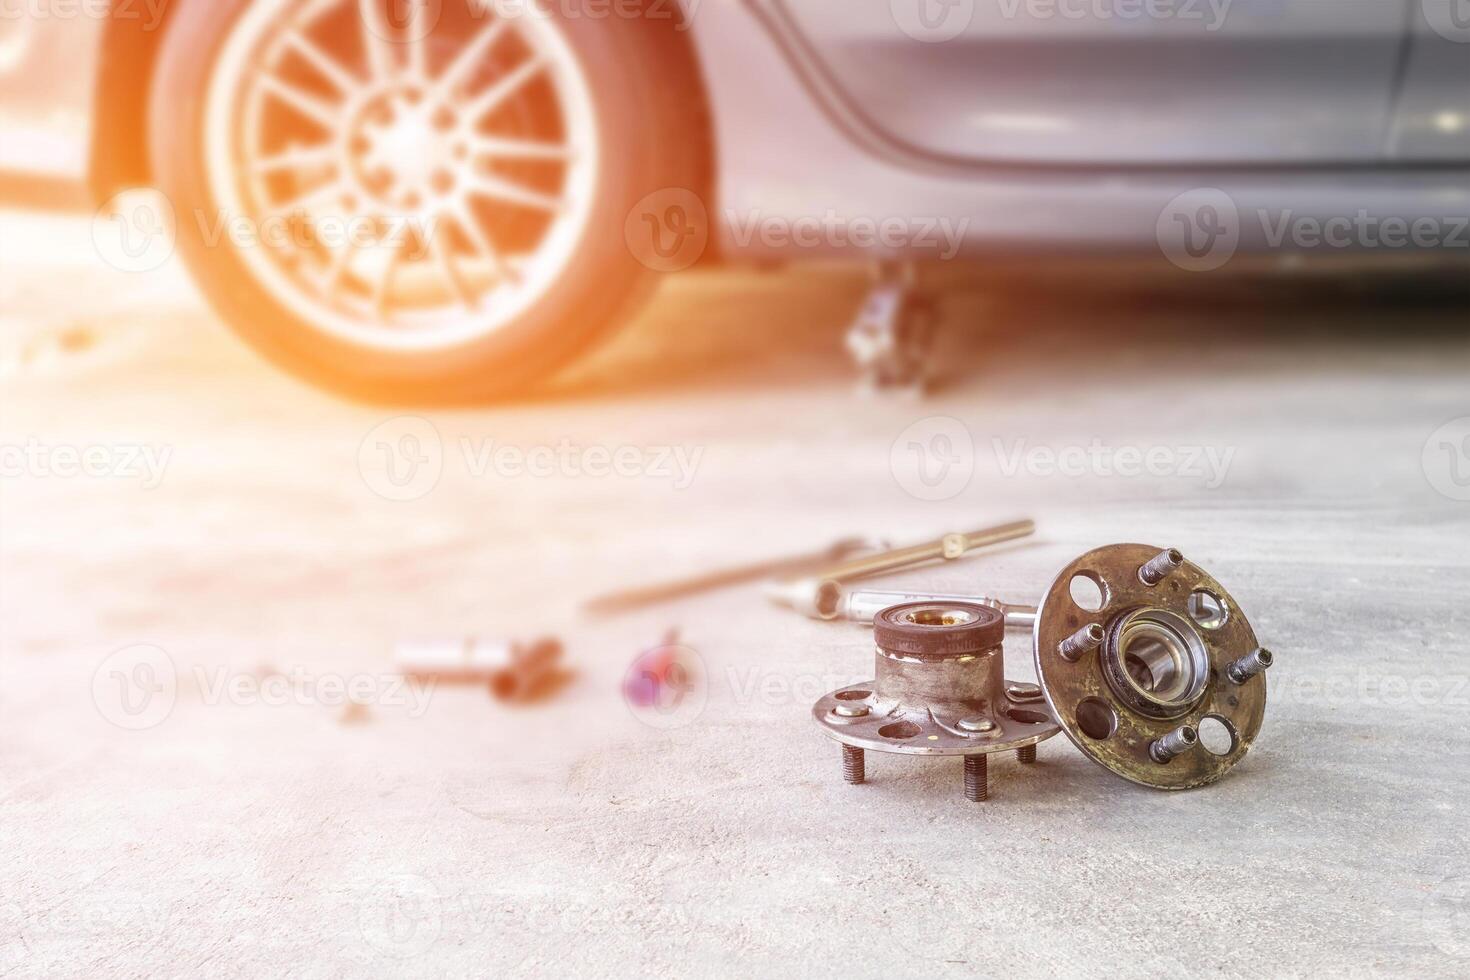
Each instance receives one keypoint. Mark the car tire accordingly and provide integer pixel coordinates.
(640, 88)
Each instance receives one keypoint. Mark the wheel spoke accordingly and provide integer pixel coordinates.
(327, 66)
(338, 266)
(298, 158)
(464, 218)
(418, 44)
(332, 192)
(519, 149)
(504, 87)
(469, 58)
(306, 104)
(451, 274)
(376, 38)
(501, 189)
(385, 279)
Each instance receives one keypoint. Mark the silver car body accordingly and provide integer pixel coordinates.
(1076, 123)
(1050, 123)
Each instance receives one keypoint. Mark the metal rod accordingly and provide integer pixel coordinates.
(820, 595)
(646, 595)
(949, 547)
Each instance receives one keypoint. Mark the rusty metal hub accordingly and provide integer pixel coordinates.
(1150, 666)
(939, 689)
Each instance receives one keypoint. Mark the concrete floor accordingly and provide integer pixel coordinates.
(437, 832)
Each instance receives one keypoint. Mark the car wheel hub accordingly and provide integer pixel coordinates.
(463, 168)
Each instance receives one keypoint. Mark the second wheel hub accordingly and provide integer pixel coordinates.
(939, 689)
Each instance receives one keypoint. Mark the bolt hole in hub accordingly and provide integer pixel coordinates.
(1216, 735)
(1086, 589)
(1207, 610)
(1097, 719)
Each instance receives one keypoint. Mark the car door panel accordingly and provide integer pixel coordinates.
(1081, 81)
(1433, 119)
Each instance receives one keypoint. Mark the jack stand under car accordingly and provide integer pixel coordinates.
(891, 339)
